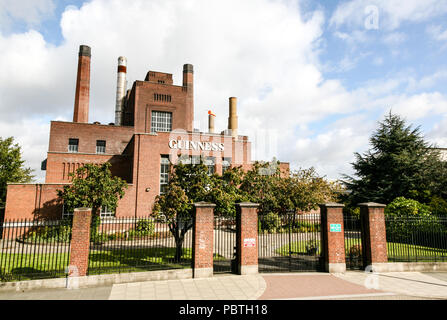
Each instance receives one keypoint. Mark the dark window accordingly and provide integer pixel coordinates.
(164, 173)
(73, 145)
(226, 164)
(100, 146)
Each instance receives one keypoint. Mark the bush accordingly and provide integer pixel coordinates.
(438, 206)
(355, 251)
(145, 227)
(270, 223)
(408, 217)
(57, 233)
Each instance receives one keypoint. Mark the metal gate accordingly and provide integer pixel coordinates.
(353, 242)
(289, 243)
(224, 252)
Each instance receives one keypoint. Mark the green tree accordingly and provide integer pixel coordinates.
(400, 163)
(93, 186)
(188, 184)
(11, 166)
(301, 190)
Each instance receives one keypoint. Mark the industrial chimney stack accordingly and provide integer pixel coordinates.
(82, 95)
(232, 119)
(211, 117)
(121, 88)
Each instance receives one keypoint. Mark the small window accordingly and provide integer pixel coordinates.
(210, 162)
(164, 173)
(226, 164)
(106, 213)
(100, 146)
(73, 145)
(66, 213)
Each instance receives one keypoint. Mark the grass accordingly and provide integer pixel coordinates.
(16, 266)
(423, 253)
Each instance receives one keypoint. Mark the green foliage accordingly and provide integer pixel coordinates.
(93, 186)
(438, 206)
(269, 223)
(302, 190)
(11, 166)
(42, 234)
(399, 163)
(406, 217)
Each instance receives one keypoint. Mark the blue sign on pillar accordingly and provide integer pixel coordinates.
(335, 227)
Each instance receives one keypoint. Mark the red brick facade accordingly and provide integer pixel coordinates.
(374, 233)
(132, 149)
(80, 242)
(332, 237)
(203, 240)
(247, 238)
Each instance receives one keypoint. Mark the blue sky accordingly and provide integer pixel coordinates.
(314, 76)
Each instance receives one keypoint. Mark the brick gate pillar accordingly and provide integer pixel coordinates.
(80, 242)
(374, 249)
(332, 237)
(203, 240)
(247, 237)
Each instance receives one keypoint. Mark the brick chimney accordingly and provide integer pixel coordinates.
(82, 95)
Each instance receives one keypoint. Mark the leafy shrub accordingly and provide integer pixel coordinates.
(311, 247)
(408, 217)
(438, 206)
(57, 233)
(270, 223)
(144, 227)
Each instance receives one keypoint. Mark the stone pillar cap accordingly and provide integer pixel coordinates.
(82, 209)
(332, 205)
(204, 204)
(248, 204)
(371, 204)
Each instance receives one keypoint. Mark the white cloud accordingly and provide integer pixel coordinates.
(391, 13)
(30, 12)
(263, 52)
(437, 32)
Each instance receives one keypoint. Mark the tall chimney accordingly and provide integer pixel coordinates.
(188, 86)
(232, 119)
(211, 117)
(121, 88)
(82, 95)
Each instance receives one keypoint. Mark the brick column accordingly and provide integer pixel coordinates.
(332, 237)
(80, 241)
(374, 249)
(203, 239)
(247, 237)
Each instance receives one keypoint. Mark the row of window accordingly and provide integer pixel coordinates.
(210, 162)
(104, 213)
(73, 146)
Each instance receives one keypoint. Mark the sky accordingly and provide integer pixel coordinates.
(312, 78)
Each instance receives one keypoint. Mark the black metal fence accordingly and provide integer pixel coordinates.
(34, 249)
(416, 239)
(353, 242)
(140, 244)
(224, 244)
(289, 242)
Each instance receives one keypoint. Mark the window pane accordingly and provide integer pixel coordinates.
(161, 121)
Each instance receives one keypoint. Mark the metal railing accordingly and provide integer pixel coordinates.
(289, 242)
(416, 239)
(140, 244)
(34, 249)
(353, 242)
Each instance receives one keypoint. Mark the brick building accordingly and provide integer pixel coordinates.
(153, 128)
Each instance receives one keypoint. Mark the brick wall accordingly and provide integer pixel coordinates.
(203, 240)
(247, 238)
(80, 241)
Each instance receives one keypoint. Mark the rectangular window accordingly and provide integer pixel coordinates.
(165, 167)
(106, 213)
(100, 146)
(210, 164)
(65, 213)
(73, 145)
(226, 164)
(161, 121)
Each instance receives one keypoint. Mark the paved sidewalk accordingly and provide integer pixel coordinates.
(290, 286)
